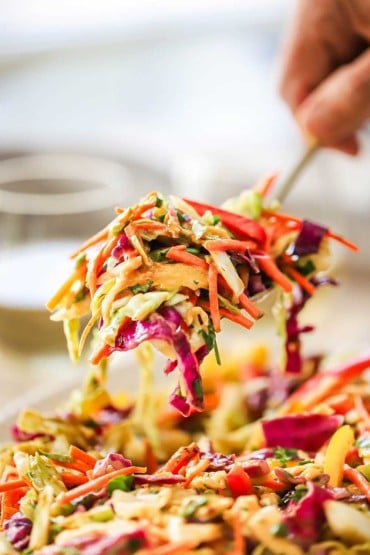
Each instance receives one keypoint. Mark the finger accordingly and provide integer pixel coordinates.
(319, 40)
(339, 107)
(348, 146)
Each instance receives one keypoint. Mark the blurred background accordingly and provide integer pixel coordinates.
(101, 102)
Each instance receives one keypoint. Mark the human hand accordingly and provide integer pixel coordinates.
(325, 73)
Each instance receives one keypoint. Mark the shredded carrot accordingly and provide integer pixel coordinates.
(93, 271)
(97, 483)
(102, 352)
(141, 208)
(281, 216)
(240, 547)
(324, 384)
(72, 479)
(150, 458)
(80, 455)
(265, 185)
(181, 458)
(109, 246)
(275, 485)
(331, 234)
(342, 240)
(301, 280)
(268, 265)
(213, 297)
(358, 479)
(230, 245)
(80, 466)
(78, 274)
(10, 503)
(340, 403)
(12, 484)
(197, 469)
(102, 235)
(237, 318)
(150, 226)
(179, 254)
(250, 307)
(361, 409)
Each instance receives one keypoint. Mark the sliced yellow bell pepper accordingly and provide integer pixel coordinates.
(336, 452)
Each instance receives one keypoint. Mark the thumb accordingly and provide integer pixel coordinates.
(340, 105)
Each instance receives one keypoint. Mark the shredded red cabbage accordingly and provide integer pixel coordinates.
(255, 285)
(122, 246)
(171, 315)
(309, 239)
(19, 435)
(159, 479)
(218, 461)
(256, 468)
(18, 530)
(300, 431)
(165, 329)
(179, 402)
(304, 519)
(112, 415)
(113, 461)
(294, 330)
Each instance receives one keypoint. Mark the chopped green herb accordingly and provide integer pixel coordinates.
(210, 341)
(216, 219)
(198, 388)
(283, 455)
(306, 461)
(158, 202)
(133, 544)
(189, 510)
(307, 268)
(124, 483)
(161, 218)
(180, 217)
(159, 255)
(141, 287)
(193, 250)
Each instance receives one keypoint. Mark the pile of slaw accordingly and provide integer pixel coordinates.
(168, 270)
(245, 458)
(256, 472)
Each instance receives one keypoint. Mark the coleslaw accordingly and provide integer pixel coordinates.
(168, 270)
(253, 473)
(245, 459)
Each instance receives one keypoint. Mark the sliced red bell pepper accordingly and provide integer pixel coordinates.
(240, 226)
(239, 482)
(324, 384)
